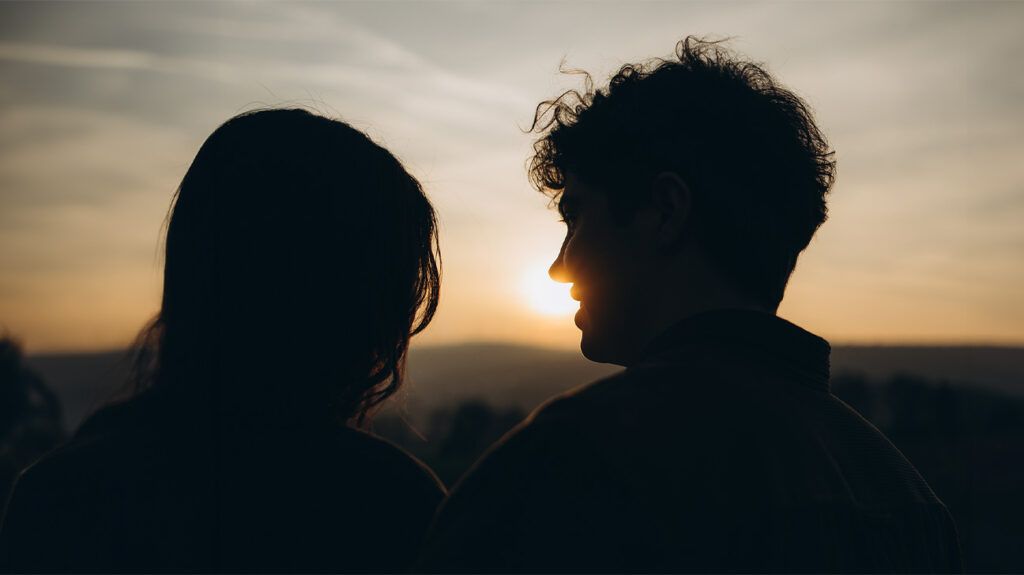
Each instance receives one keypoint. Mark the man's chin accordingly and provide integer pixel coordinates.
(595, 345)
(596, 348)
(593, 352)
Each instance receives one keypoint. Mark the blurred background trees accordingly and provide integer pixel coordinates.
(30, 415)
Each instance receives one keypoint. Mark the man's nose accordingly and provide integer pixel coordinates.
(557, 270)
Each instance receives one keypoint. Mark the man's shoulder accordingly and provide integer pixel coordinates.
(637, 397)
(597, 457)
(675, 416)
(638, 410)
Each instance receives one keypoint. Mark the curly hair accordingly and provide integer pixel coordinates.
(757, 165)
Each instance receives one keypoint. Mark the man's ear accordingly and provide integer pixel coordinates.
(672, 202)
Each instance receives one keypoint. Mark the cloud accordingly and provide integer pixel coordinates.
(75, 57)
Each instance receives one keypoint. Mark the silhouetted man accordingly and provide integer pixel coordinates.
(688, 188)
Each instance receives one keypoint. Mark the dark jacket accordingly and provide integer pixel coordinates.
(722, 450)
(163, 496)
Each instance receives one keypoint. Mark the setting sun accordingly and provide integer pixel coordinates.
(545, 295)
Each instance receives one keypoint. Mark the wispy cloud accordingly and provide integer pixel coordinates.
(55, 55)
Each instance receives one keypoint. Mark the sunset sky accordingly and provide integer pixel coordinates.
(103, 106)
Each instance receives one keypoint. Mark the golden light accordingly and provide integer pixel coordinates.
(545, 295)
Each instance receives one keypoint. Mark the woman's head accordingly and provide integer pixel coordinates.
(300, 258)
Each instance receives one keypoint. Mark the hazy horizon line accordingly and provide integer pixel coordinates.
(918, 344)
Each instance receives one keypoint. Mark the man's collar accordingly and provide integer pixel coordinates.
(772, 336)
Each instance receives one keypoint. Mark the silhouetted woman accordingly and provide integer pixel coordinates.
(300, 259)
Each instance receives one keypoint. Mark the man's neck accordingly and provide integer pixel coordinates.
(676, 309)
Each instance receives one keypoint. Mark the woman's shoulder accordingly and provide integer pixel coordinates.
(74, 484)
(88, 462)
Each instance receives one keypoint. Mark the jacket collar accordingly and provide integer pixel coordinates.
(782, 343)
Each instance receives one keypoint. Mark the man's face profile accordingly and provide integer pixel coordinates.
(605, 259)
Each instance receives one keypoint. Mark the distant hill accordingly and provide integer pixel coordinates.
(993, 368)
(524, 376)
(82, 381)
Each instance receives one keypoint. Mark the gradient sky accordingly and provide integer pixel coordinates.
(103, 106)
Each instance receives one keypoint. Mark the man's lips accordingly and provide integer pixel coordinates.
(574, 293)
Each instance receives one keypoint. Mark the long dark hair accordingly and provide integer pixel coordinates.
(300, 259)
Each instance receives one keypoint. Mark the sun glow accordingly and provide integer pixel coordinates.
(545, 295)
